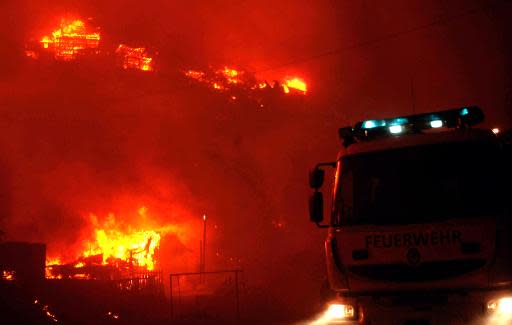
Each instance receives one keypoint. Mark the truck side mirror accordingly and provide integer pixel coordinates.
(316, 207)
(316, 178)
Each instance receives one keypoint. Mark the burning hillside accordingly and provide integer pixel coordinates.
(73, 39)
(237, 85)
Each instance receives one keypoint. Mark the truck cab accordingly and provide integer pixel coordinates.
(419, 229)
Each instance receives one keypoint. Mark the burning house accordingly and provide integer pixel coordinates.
(71, 39)
(117, 268)
(113, 250)
(134, 58)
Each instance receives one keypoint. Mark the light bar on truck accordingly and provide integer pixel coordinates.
(453, 118)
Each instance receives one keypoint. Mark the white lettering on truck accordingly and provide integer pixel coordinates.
(431, 238)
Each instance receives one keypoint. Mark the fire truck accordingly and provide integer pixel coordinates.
(420, 229)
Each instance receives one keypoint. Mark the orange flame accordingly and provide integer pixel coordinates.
(8, 275)
(197, 75)
(134, 246)
(295, 83)
(71, 38)
(115, 243)
(217, 86)
(232, 76)
(229, 79)
(135, 58)
(53, 261)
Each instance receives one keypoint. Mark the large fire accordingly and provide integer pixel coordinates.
(134, 58)
(70, 39)
(135, 246)
(229, 78)
(295, 83)
(114, 245)
(221, 79)
(73, 38)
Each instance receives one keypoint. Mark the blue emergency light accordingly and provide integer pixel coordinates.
(453, 118)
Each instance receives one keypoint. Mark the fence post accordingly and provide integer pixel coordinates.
(171, 302)
(237, 298)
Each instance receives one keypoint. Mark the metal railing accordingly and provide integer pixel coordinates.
(175, 285)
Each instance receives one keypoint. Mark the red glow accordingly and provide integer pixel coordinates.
(135, 58)
(228, 78)
(69, 39)
(114, 242)
(295, 83)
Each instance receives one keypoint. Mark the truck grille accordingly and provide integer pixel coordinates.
(428, 271)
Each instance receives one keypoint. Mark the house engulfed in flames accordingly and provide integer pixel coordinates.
(115, 252)
(71, 39)
(134, 58)
(74, 38)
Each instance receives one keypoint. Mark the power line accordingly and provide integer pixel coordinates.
(387, 37)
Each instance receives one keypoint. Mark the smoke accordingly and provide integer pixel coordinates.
(86, 138)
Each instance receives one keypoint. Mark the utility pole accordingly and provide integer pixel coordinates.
(204, 243)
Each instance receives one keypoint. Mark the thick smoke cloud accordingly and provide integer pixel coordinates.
(91, 139)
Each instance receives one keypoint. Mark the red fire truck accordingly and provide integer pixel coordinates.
(420, 229)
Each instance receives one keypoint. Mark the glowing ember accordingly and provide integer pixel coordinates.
(8, 275)
(79, 265)
(46, 311)
(70, 39)
(31, 54)
(295, 83)
(495, 130)
(135, 58)
(197, 75)
(232, 76)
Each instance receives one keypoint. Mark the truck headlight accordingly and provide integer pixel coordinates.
(502, 306)
(340, 312)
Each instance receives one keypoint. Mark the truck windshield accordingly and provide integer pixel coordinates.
(419, 185)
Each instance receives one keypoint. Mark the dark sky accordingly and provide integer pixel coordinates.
(76, 140)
